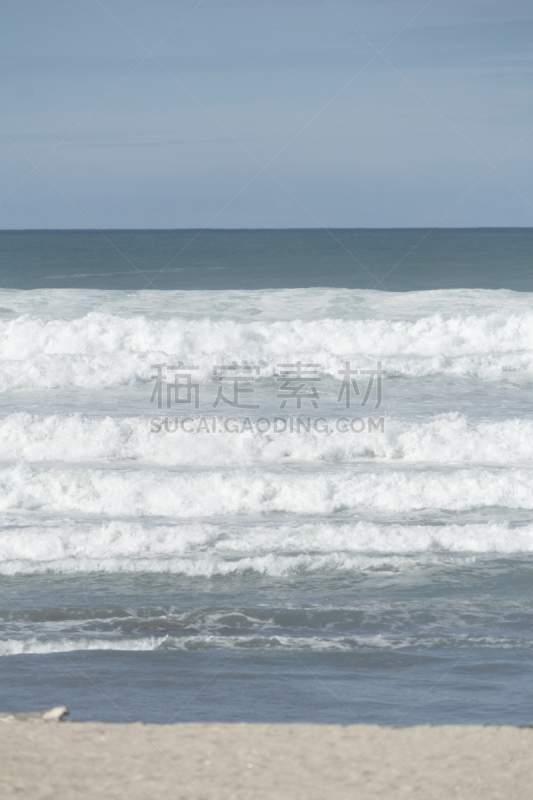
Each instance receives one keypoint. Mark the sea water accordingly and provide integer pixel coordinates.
(347, 540)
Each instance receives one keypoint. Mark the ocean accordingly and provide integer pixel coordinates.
(277, 476)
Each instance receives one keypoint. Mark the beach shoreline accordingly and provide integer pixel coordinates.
(261, 761)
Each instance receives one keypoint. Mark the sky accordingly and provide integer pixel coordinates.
(263, 114)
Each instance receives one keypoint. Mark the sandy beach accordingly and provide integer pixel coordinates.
(223, 761)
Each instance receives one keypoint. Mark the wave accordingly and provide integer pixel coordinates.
(28, 336)
(446, 438)
(100, 350)
(229, 548)
(206, 492)
(37, 646)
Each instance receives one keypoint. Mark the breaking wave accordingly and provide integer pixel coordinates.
(99, 349)
(233, 547)
(446, 438)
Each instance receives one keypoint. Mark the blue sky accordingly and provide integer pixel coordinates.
(265, 114)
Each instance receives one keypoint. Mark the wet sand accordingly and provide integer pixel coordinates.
(64, 760)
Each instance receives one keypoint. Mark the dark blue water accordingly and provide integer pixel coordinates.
(396, 260)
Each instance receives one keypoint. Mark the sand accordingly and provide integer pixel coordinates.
(90, 760)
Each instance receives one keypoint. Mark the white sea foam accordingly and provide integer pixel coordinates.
(208, 549)
(82, 437)
(99, 349)
(36, 646)
(205, 493)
